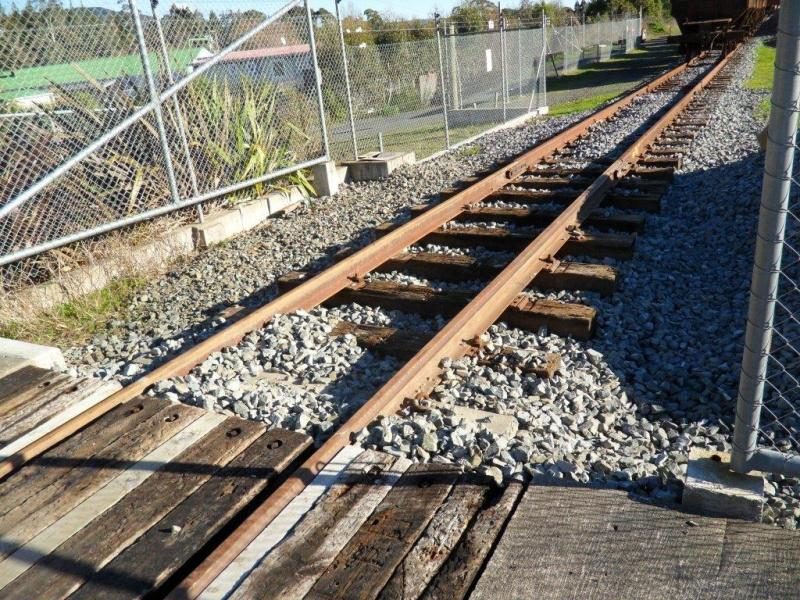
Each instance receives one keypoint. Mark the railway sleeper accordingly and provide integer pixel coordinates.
(564, 275)
(405, 343)
(542, 217)
(647, 202)
(576, 320)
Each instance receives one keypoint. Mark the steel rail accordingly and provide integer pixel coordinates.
(334, 279)
(420, 374)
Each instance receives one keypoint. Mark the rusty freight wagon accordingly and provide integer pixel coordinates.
(706, 24)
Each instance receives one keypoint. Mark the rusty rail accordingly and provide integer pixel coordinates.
(419, 375)
(329, 282)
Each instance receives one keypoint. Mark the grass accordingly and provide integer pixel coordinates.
(581, 105)
(424, 141)
(76, 321)
(761, 77)
(763, 70)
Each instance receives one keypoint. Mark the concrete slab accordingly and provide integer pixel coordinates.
(326, 178)
(15, 354)
(712, 489)
(378, 165)
(505, 425)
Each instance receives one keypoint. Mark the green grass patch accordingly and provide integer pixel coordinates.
(76, 321)
(764, 68)
(576, 106)
(424, 141)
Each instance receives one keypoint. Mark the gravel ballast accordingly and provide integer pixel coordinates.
(624, 409)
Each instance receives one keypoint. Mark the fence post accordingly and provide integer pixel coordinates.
(180, 120)
(775, 192)
(503, 74)
(347, 82)
(154, 97)
(544, 60)
(519, 56)
(443, 85)
(455, 79)
(317, 80)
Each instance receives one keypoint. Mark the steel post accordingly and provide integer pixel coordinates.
(519, 58)
(318, 81)
(503, 73)
(443, 85)
(153, 91)
(544, 60)
(777, 182)
(180, 119)
(347, 82)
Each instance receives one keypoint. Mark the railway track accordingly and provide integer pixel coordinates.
(529, 221)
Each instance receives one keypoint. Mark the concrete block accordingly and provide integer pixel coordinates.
(284, 199)
(505, 425)
(712, 489)
(15, 354)
(326, 178)
(378, 165)
(217, 228)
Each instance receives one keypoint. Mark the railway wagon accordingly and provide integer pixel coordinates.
(706, 24)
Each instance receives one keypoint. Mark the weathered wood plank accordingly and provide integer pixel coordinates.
(566, 275)
(48, 505)
(58, 462)
(525, 312)
(162, 550)
(83, 554)
(531, 215)
(647, 200)
(34, 423)
(599, 544)
(368, 560)
(32, 398)
(230, 578)
(434, 546)
(103, 499)
(598, 245)
(20, 382)
(456, 576)
(293, 567)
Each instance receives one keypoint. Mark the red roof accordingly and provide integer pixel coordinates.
(239, 55)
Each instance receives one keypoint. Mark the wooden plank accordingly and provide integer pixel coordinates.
(290, 571)
(107, 496)
(599, 544)
(598, 245)
(78, 558)
(455, 578)
(60, 409)
(525, 312)
(33, 398)
(21, 382)
(368, 560)
(25, 521)
(566, 275)
(247, 560)
(57, 463)
(434, 546)
(647, 201)
(161, 551)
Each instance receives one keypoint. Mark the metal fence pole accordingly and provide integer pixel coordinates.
(503, 73)
(544, 60)
(317, 80)
(347, 82)
(151, 86)
(775, 192)
(519, 57)
(180, 120)
(443, 85)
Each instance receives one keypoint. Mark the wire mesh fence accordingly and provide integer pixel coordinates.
(767, 426)
(108, 117)
(112, 116)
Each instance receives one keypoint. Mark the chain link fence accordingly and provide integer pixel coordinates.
(767, 426)
(109, 117)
